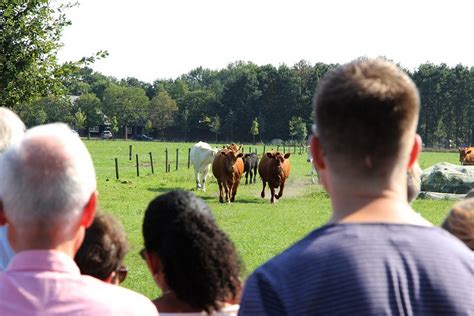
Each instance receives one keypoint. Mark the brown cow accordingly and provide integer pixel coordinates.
(466, 156)
(228, 167)
(274, 168)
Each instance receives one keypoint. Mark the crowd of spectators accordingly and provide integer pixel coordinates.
(376, 255)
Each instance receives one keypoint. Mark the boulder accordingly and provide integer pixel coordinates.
(448, 178)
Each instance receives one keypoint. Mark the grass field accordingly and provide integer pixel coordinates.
(259, 230)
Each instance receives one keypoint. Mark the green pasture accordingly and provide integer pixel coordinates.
(259, 230)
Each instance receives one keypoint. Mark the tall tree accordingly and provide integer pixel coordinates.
(30, 33)
(90, 106)
(161, 111)
(127, 104)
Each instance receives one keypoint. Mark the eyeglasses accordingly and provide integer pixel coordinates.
(121, 273)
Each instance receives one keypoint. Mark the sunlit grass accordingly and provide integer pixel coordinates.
(259, 230)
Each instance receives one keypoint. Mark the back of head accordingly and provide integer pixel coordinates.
(460, 221)
(104, 247)
(11, 128)
(366, 114)
(199, 261)
(47, 179)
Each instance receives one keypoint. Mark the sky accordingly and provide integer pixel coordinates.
(155, 39)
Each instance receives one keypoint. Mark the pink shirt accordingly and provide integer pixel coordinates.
(47, 282)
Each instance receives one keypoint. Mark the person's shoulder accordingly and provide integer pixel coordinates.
(118, 299)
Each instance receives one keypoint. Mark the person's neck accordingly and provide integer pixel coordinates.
(381, 206)
(169, 303)
(22, 241)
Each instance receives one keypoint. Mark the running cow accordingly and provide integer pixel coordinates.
(250, 167)
(202, 155)
(274, 168)
(228, 168)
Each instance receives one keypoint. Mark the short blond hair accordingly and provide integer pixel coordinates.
(460, 221)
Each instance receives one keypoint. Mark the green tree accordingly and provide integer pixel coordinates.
(90, 106)
(254, 129)
(56, 108)
(127, 104)
(297, 129)
(79, 120)
(214, 124)
(30, 33)
(161, 111)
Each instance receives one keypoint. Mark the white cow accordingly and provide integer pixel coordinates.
(202, 156)
(309, 159)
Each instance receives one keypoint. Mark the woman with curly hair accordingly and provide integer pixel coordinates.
(191, 259)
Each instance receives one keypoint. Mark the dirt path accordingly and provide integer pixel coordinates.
(293, 188)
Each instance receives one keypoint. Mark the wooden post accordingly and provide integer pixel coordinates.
(151, 163)
(278, 147)
(177, 156)
(169, 167)
(166, 159)
(116, 169)
(294, 148)
(189, 157)
(264, 148)
(130, 152)
(138, 166)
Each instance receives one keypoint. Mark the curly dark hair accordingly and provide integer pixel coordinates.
(199, 261)
(104, 247)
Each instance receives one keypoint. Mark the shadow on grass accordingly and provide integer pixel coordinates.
(164, 189)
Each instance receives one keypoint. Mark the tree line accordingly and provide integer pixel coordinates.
(243, 102)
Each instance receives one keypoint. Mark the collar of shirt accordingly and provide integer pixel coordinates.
(43, 260)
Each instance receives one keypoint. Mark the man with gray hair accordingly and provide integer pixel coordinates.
(12, 130)
(48, 198)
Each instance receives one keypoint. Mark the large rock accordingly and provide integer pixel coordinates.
(448, 178)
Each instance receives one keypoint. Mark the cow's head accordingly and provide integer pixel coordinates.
(278, 159)
(463, 152)
(230, 159)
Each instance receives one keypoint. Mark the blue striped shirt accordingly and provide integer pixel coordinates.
(366, 269)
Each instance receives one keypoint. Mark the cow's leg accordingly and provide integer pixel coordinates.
(280, 193)
(234, 189)
(247, 177)
(255, 174)
(227, 193)
(196, 176)
(204, 176)
(312, 175)
(272, 194)
(221, 198)
(263, 190)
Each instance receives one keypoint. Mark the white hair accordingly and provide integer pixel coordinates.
(12, 128)
(47, 178)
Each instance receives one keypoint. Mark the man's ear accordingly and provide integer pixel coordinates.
(3, 219)
(415, 151)
(88, 212)
(316, 152)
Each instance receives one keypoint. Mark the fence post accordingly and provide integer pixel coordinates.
(116, 169)
(294, 148)
(177, 156)
(151, 163)
(256, 151)
(166, 159)
(130, 152)
(138, 166)
(264, 148)
(189, 157)
(169, 167)
(278, 147)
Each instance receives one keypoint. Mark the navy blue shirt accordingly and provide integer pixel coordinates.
(366, 269)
